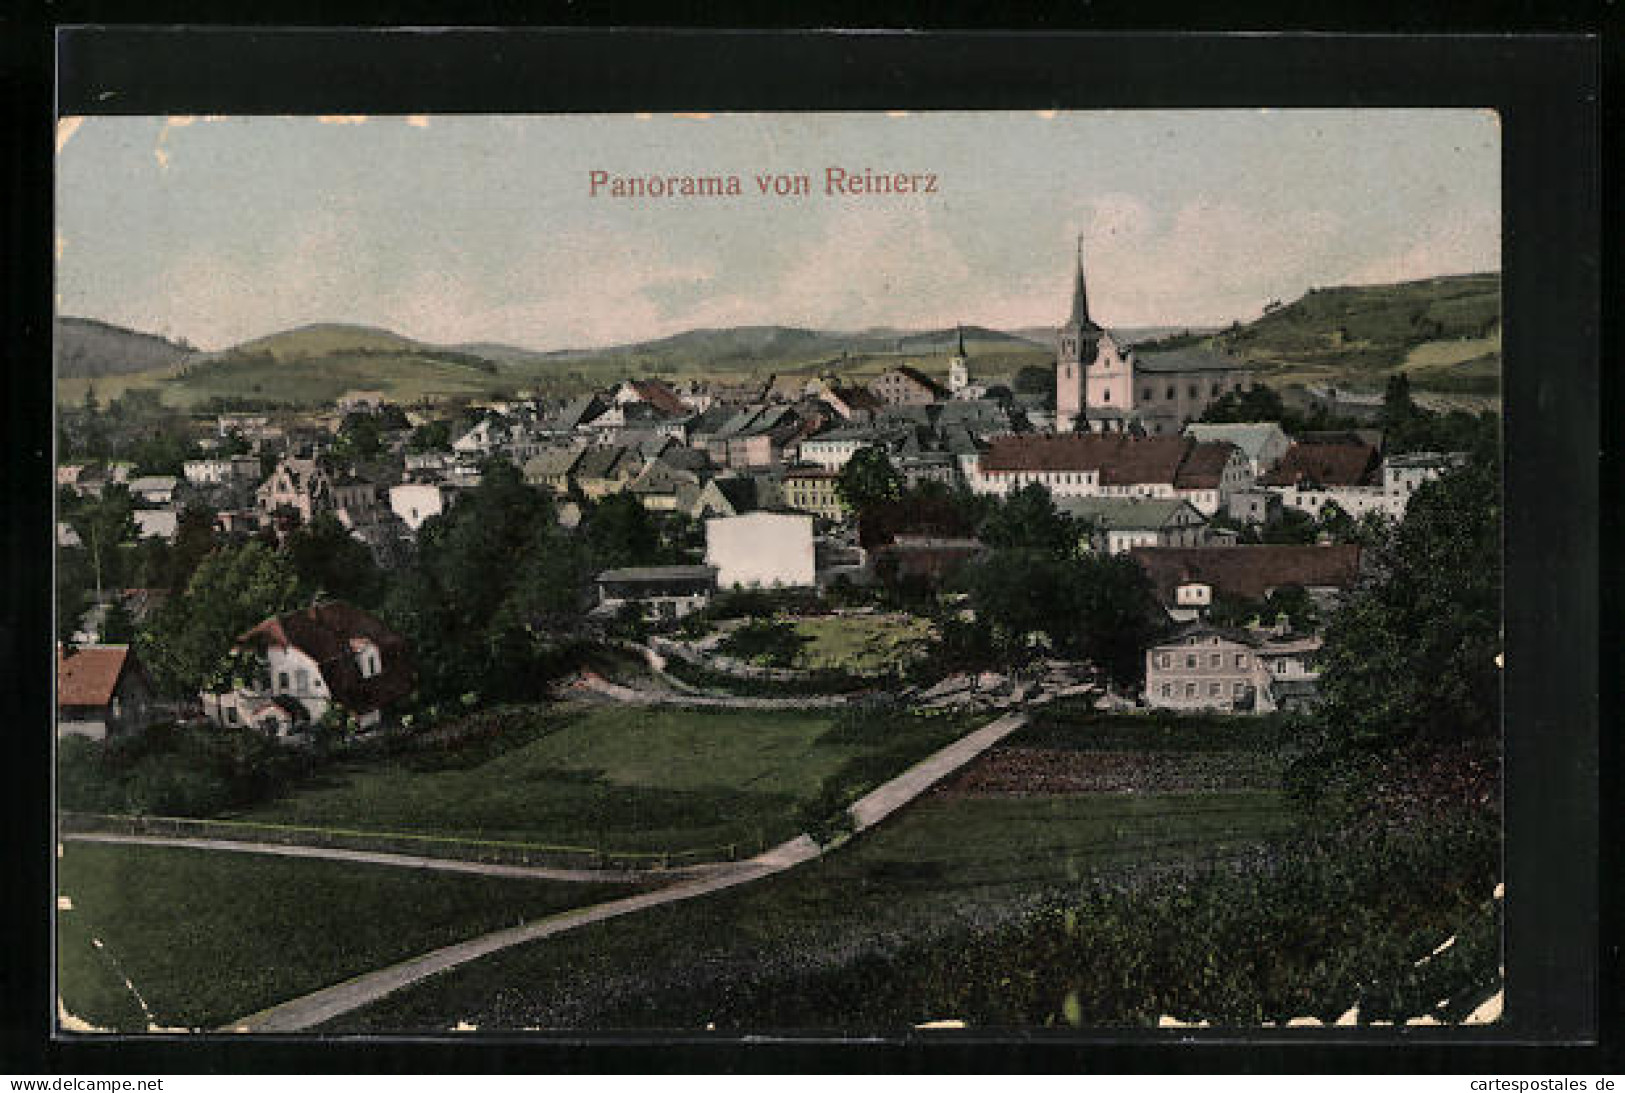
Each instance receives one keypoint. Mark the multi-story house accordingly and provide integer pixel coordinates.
(814, 490)
(1244, 671)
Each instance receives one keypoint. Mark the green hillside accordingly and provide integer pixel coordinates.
(1445, 332)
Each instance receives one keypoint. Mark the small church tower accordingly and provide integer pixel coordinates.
(1076, 344)
(958, 365)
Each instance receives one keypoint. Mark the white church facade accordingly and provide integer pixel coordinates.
(1103, 384)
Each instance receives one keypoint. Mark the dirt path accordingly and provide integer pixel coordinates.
(313, 1009)
(616, 692)
(406, 861)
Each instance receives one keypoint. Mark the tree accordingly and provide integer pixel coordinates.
(868, 479)
(1034, 379)
(433, 436)
(1029, 521)
(1257, 403)
(620, 532)
(360, 437)
(103, 524)
(1412, 656)
(234, 589)
(331, 561)
(497, 585)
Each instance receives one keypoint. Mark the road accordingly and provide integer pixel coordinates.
(311, 1010)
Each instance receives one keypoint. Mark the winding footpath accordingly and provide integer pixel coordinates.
(313, 1009)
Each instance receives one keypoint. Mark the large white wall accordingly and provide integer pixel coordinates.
(761, 550)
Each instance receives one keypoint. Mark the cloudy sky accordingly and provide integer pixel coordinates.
(462, 228)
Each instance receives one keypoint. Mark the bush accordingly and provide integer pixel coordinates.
(768, 643)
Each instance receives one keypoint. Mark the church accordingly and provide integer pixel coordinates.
(1103, 384)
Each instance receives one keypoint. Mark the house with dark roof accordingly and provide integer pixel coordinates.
(101, 691)
(330, 654)
(1344, 473)
(661, 593)
(1119, 524)
(1186, 580)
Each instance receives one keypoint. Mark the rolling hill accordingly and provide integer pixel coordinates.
(87, 348)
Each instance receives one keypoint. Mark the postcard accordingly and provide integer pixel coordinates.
(851, 572)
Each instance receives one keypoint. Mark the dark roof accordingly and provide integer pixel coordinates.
(1187, 360)
(328, 634)
(89, 676)
(1248, 571)
(1338, 464)
(1204, 465)
(654, 574)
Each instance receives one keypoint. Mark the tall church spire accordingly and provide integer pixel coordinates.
(960, 331)
(1080, 295)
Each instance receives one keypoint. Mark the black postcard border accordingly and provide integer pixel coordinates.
(1546, 90)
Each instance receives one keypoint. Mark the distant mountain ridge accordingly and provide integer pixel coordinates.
(92, 348)
(1444, 331)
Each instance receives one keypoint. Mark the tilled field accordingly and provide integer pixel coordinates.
(1026, 772)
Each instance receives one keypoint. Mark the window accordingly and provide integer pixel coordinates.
(1170, 392)
(301, 680)
(1145, 395)
(1190, 661)
(1167, 690)
(282, 681)
(1239, 689)
(1190, 690)
(231, 715)
(1241, 660)
(1106, 396)
(1213, 689)
(1215, 660)
(1192, 390)
(1215, 390)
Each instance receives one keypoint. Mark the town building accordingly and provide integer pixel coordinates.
(1113, 465)
(906, 385)
(815, 490)
(224, 471)
(101, 691)
(762, 550)
(1210, 669)
(330, 654)
(1119, 524)
(298, 484)
(1262, 442)
(662, 593)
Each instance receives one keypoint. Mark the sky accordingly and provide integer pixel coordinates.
(461, 228)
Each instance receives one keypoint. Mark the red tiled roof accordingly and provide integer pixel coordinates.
(326, 633)
(89, 676)
(660, 396)
(1120, 459)
(1248, 571)
(1325, 465)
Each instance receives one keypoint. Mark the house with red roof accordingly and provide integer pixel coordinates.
(101, 691)
(1204, 473)
(326, 655)
(1186, 580)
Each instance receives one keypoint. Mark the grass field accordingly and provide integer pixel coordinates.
(946, 865)
(206, 937)
(622, 779)
(863, 644)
